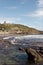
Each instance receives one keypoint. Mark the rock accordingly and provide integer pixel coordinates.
(41, 50)
(1, 41)
(33, 55)
(21, 49)
(6, 46)
(4, 64)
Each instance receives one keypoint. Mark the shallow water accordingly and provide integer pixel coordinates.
(13, 56)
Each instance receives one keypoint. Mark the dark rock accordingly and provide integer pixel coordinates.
(4, 64)
(21, 49)
(41, 50)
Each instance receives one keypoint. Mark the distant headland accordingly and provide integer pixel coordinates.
(7, 28)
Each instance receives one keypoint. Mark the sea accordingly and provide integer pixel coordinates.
(10, 53)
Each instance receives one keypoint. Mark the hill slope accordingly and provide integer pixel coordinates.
(19, 29)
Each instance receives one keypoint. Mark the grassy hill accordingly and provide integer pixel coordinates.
(19, 29)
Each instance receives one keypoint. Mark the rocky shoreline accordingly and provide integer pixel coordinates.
(6, 48)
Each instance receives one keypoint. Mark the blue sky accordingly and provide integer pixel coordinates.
(27, 12)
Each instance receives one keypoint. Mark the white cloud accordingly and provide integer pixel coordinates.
(23, 1)
(9, 20)
(13, 7)
(38, 25)
(37, 13)
(40, 3)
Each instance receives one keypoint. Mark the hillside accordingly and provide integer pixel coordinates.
(18, 29)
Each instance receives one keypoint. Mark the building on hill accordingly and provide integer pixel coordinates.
(4, 22)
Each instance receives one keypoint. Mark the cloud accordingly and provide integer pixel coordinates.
(40, 3)
(23, 1)
(38, 25)
(37, 13)
(9, 20)
(13, 7)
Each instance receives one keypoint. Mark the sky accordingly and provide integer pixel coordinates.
(26, 12)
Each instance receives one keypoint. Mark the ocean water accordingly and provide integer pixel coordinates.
(11, 55)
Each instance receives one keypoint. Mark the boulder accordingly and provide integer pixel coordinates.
(34, 55)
